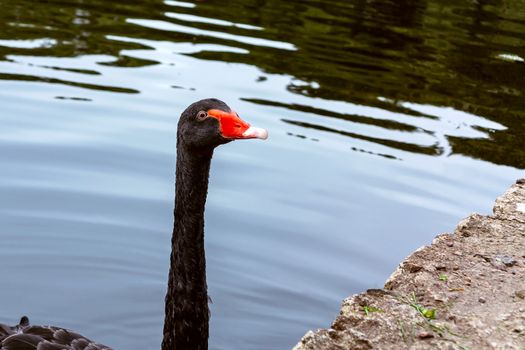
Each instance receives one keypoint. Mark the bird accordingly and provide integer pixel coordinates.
(202, 127)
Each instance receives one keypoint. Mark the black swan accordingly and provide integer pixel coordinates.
(203, 126)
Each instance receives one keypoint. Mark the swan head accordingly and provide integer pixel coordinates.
(209, 123)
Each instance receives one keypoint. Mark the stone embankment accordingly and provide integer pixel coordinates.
(464, 291)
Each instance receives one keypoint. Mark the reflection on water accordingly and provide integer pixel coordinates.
(389, 121)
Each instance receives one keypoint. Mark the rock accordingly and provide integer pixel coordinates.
(412, 268)
(474, 310)
(506, 260)
(425, 335)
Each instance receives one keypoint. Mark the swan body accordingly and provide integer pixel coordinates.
(23, 336)
(202, 127)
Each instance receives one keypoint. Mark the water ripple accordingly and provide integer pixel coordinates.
(172, 27)
(192, 18)
(29, 44)
(179, 3)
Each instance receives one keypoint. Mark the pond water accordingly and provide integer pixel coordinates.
(389, 121)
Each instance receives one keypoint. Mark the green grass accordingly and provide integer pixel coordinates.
(368, 309)
(428, 323)
(428, 314)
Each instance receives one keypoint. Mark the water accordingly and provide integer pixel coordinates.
(389, 121)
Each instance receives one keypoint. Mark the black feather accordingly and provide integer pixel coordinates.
(26, 337)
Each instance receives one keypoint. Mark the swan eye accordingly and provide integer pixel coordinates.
(201, 116)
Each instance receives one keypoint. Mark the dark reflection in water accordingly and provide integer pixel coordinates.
(436, 53)
(389, 121)
(24, 77)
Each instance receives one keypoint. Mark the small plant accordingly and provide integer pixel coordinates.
(368, 309)
(443, 277)
(462, 347)
(427, 323)
(428, 314)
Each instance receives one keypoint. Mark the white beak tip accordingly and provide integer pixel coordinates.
(255, 133)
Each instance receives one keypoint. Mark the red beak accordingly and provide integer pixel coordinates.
(233, 127)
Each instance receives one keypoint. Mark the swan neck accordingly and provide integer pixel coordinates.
(187, 313)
